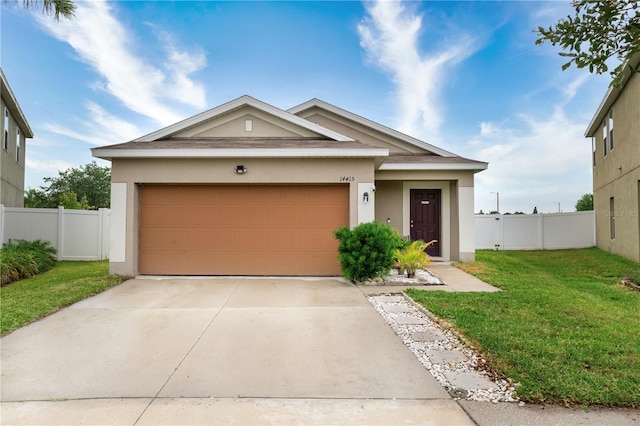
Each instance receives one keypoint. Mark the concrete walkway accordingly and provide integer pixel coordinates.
(454, 280)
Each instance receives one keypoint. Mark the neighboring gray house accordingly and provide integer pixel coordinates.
(15, 131)
(616, 167)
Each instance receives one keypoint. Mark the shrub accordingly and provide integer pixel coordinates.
(367, 251)
(22, 259)
(634, 277)
(413, 257)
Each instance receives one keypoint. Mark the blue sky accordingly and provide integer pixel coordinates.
(463, 75)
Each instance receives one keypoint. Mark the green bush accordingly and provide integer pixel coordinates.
(367, 251)
(413, 257)
(22, 259)
(634, 277)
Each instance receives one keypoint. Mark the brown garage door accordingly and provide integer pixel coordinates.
(241, 229)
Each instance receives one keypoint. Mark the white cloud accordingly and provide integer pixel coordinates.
(48, 167)
(537, 162)
(487, 128)
(180, 64)
(390, 37)
(101, 128)
(105, 44)
(571, 89)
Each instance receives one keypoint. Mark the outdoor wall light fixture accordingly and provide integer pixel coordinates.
(365, 198)
(240, 170)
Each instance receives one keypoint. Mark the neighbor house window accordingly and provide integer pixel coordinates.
(610, 130)
(604, 137)
(6, 128)
(612, 217)
(17, 145)
(593, 151)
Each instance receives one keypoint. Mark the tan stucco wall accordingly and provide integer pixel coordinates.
(618, 175)
(11, 171)
(389, 203)
(221, 171)
(466, 178)
(626, 193)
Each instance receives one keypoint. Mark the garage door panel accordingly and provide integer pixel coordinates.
(241, 230)
(201, 263)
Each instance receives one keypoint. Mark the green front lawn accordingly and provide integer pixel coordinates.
(564, 328)
(29, 299)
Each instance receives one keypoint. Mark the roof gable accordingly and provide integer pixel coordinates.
(229, 120)
(344, 119)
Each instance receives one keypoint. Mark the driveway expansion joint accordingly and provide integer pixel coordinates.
(173, 372)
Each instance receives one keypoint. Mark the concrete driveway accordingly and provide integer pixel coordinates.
(218, 351)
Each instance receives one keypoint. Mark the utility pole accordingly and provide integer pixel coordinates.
(497, 201)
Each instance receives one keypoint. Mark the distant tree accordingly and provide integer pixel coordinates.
(598, 31)
(87, 187)
(494, 212)
(585, 203)
(69, 200)
(535, 210)
(66, 8)
(518, 212)
(480, 212)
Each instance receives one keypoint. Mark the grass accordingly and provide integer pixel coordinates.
(28, 300)
(564, 328)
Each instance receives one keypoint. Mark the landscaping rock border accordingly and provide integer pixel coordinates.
(422, 277)
(628, 283)
(455, 365)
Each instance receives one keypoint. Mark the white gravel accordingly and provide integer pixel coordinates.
(422, 277)
(504, 390)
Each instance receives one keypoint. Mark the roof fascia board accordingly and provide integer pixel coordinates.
(235, 104)
(239, 153)
(610, 98)
(14, 107)
(431, 166)
(369, 123)
(606, 104)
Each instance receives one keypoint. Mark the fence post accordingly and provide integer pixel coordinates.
(60, 241)
(99, 239)
(540, 231)
(102, 223)
(1, 225)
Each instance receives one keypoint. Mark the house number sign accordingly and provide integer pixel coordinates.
(347, 179)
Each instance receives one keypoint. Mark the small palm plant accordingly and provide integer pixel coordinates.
(413, 257)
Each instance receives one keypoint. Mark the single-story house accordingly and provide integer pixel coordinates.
(246, 188)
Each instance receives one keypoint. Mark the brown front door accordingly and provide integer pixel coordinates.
(425, 218)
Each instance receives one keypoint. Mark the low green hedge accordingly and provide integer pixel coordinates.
(22, 259)
(368, 250)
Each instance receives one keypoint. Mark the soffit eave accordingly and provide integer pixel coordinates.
(14, 107)
(610, 98)
(476, 167)
(109, 154)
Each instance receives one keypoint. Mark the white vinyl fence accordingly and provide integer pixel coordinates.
(75, 234)
(536, 231)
